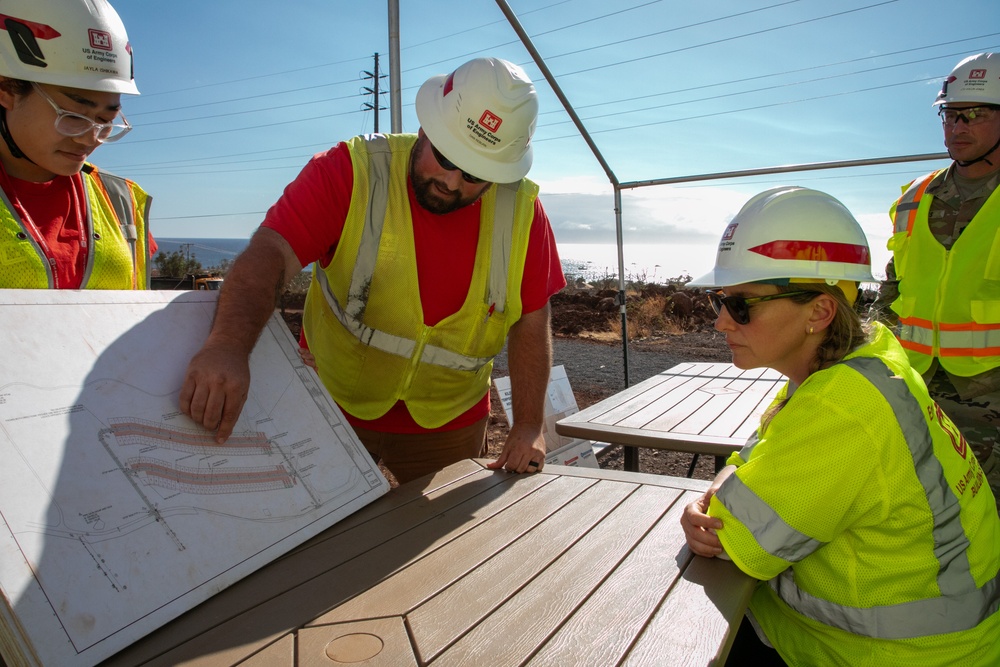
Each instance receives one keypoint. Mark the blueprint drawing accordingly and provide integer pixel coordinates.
(117, 512)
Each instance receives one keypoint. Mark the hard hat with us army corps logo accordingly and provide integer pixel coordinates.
(790, 233)
(974, 80)
(73, 43)
(481, 117)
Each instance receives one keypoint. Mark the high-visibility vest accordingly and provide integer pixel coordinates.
(865, 511)
(363, 318)
(116, 229)
(949, 300)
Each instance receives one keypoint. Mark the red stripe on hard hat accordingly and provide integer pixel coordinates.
(39, 30)
(816, 251)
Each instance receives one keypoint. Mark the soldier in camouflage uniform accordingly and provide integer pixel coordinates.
(955, 340)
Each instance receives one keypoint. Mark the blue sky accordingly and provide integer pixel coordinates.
(236, 96)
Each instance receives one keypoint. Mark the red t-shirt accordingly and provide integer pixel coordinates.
(55, 210)
(310, 215)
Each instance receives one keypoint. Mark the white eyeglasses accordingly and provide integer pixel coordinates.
(71, 124)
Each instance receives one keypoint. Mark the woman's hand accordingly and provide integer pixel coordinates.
(699, 527)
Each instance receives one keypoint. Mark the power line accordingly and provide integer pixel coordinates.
(663, 106)
(564, 74)
(659, 33)
(723, 40)
(241, 99)
(766, 88)
(675, 91)
(239, 113)
(753, 108)
(242, 129)
(547, 125)
(424, 66)
(335, 63)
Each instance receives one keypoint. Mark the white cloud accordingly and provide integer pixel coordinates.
(582, 211)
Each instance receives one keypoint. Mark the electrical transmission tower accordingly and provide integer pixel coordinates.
(375, 104)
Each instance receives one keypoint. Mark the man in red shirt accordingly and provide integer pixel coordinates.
(430, 251)
(63, 224)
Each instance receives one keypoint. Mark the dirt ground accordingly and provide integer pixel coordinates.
(666, 326)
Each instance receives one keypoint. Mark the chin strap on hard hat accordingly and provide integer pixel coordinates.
(981, 158)
(9, 140)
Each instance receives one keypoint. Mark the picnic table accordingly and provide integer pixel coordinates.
(477, 567)
(701, 408)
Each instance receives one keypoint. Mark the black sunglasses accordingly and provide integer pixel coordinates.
(451, 166)
(739, 307)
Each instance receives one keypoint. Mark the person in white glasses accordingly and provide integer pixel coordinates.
(64, 65)
(942, 287)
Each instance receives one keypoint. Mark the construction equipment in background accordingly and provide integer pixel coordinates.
(191, 281)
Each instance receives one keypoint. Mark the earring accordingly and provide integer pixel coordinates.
(810, 330)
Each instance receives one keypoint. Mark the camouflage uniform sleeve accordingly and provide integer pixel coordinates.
(888, 292)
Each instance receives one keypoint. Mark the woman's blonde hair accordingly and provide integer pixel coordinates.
(846, 333)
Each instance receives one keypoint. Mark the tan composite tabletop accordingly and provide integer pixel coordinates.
(702, 408)
(569, 566)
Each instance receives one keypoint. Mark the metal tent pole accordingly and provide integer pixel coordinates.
(631, 453)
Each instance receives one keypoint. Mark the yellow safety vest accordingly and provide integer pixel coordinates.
(949, 300)
(866, 514)
(363, 318)
(116, 229)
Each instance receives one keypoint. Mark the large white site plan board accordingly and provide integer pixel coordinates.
(117, 512)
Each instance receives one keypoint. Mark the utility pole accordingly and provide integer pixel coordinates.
(395, 108)
(373, 91)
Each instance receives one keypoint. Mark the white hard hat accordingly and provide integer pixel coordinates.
(790, 233)
(975, 79)
(73, 43)
(481, 117)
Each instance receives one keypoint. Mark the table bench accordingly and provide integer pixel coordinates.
(701, 408)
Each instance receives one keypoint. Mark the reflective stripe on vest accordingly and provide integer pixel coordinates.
(961, 606)
(117, 190)
(909, 203)
(397, 345)
(380, 159)
(954, 340)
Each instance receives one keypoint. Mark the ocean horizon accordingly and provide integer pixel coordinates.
(654, 263)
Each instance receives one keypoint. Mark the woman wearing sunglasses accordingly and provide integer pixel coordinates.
(857, 503)
(64, 65)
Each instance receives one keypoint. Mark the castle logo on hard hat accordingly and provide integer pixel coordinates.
(726, 243)
(490, 121)
(977, 74)
(24, 35)
(100, 39)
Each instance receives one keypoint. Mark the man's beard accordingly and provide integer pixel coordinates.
(428, 195)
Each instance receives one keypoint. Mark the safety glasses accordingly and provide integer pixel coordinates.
(971, 115)
(71, 124)
(451, 166)
(739, 307)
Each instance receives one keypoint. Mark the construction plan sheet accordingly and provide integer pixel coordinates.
(117, 512)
